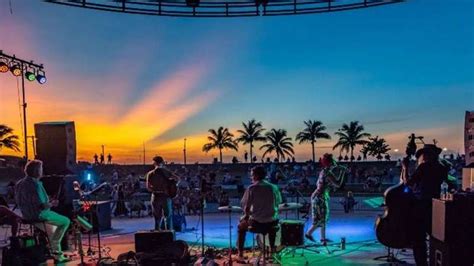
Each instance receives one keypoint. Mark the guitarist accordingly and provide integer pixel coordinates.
(162, 184)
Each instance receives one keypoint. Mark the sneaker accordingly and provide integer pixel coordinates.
(310, 237)
(60, 258)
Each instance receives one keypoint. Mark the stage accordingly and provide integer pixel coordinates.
(357, 228)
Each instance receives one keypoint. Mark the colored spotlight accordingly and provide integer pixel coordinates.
(30, 76)
(16, 70)
(4, 67)
(41, 79)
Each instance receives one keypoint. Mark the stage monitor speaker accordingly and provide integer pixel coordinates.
(149, 241)
(292, 233)
(56, 146)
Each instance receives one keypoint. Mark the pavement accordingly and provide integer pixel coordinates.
(357, 228)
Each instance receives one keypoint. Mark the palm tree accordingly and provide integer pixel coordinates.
(313, 131)
(377, 147)
(278, 142)
(253, 131)
(220, 139)
(8, 139)
(350, 136)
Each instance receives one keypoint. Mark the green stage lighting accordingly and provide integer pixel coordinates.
(30, 76)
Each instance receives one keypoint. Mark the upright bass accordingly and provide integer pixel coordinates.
(393, 227)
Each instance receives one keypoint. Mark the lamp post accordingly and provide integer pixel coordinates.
(184, 151)
(23, 65)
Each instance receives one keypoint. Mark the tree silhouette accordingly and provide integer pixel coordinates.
(8, 139)
(253, 131)
(350, 136)
(220, 139)
(278, 142)
(377, 147)
(314, 130)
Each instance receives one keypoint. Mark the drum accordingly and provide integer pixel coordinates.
(292, 233)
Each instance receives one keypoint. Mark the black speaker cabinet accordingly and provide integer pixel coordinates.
(444, 254)
(56, 146)
(149, 241)
(292, 233)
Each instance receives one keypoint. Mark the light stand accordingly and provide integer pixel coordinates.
(202, 197)
(24, 64)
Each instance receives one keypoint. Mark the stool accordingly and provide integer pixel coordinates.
(36, 232)
(263, 229)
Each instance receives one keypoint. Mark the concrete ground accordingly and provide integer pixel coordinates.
(357, 228)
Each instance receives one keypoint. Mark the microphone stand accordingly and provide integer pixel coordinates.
(202, 197)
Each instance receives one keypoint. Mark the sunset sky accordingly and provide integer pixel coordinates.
(129, 79)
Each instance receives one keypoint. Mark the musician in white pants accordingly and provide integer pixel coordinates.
(35, 205)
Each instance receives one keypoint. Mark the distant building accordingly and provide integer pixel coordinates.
(469, 138)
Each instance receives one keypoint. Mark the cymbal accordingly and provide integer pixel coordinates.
(230, 208)
(289, 206)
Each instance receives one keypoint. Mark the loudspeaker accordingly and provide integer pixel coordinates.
(150, 241)
(101, 216)
(56, 146)
(452, 221)
(453, 254)
(292, 233)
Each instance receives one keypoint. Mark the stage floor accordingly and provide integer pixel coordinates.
(357, 228)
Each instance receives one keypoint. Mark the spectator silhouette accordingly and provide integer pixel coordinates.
(109, 158)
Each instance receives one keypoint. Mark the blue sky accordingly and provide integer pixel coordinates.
(396, 68)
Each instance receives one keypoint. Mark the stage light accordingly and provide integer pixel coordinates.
(89, 176)
(41, 78)
(16, 70)
(30, 76)
(4, 67)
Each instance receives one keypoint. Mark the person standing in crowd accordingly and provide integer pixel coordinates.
(96, 159)
(320, 198)
(102, 158)
(8, 217)
(260, 204)
(120, 208)
(35, 205)
(426, 185)
(246, 156)
(157, 182)
(109, 158)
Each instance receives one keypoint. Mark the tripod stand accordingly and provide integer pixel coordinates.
(390, 257)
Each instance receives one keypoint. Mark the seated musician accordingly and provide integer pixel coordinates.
(35, 205)
(425, 182)
(260, 204)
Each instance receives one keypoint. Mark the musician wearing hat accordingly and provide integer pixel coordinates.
(158, 183)
(425, 183)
